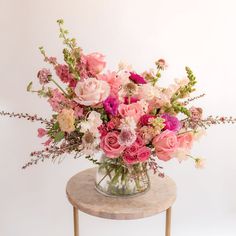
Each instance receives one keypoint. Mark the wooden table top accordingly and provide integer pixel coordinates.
(82, 195)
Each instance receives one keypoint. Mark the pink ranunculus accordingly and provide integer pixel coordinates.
(165, 145)
(110, 145)
(41, 132)
(143, 154)
(113, 80)
(91, 91)
(95, 63)
(134, 110)
(185, 140)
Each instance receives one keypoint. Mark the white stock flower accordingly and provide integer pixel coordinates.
(128, 122)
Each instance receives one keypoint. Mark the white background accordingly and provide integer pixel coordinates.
(200, 34)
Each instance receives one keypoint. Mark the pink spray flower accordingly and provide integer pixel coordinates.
(44, 76)
(63, 73)
(113, 80)
(41, 132)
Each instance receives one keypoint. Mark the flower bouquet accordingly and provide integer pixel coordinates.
(122, 116)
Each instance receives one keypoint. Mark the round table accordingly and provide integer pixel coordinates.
(83, 196)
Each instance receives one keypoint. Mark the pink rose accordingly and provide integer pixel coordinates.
(143, 154)
(134, 110)
(91, 91)
(95, 63)
(110, 145)
(185, 140)
(165, 145)
(130, 159)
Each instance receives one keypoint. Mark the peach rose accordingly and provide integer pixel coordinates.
(66, 120)
(110, 145)
(165, 145)
(134, 110)
(185, 140)
(91, 91)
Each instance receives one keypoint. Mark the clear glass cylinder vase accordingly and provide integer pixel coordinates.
(116, 179)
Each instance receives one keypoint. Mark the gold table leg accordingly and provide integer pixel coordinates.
(76, 221)
(168, 221)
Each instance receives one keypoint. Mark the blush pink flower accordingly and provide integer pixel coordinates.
(195, 113)
(165, 145)
(113, 80)
(41, 132)
(110, 145)
(185, 140)
(91, 91)
(126, 137)
(134, 110)
(95, 63)
(44, 76)
(58, 101)
(47, 143)
(63, 73)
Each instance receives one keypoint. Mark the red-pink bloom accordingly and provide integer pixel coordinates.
(145, 119)
(111, 105)
(130, 159)
(102, 130)
(171, 122)
(41, 132)
(138, 79)
(63, 73)
(113, 80)
(165, 145)
(110, 145)
(129, 100)
(185, 140)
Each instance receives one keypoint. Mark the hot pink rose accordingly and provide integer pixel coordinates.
(185, 140)
(95, 63)
(91, 91)
(165, 145)
(134, 110)
(110, 145)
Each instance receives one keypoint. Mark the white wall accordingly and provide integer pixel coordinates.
(200, 34)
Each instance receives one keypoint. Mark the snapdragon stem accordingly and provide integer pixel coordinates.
(59, 87)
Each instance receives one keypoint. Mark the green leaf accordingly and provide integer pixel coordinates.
(59, 136)
(29, 86)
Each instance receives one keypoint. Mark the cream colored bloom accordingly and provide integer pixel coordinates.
(199, 133)
(200, 163)
(66, 120)
(92, 123)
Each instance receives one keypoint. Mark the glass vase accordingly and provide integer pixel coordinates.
(114, 178)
